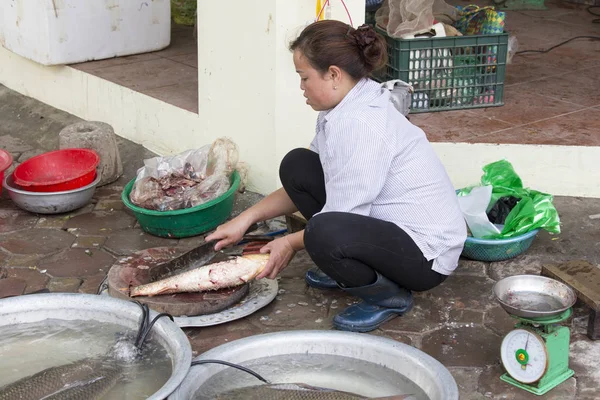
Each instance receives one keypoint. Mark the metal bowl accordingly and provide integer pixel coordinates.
(533, 296)
(402, 361)
(75, 306)
(50, 202)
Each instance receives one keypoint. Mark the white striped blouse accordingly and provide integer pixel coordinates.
(378, 164)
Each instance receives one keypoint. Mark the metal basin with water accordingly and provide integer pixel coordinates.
(396, 360)
(533, 296)
(70, 306)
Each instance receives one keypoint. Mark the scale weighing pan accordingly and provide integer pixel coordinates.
(533, 296)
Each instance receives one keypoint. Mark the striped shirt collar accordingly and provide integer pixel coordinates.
(364, 90)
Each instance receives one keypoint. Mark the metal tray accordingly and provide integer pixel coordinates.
(262, 292)
(533, 296)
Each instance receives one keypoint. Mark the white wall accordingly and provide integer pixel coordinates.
(558, 170)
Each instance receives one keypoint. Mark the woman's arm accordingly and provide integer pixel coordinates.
(274, 205)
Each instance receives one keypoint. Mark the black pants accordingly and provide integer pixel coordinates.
(349, 247)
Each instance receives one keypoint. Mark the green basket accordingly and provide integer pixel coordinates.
(449, 73)
(498, 249)
(185, 222)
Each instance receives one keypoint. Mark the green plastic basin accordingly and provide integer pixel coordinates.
(185, 222)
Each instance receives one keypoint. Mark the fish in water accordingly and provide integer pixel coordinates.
(295, 391)
(85, 379)
(220, 275)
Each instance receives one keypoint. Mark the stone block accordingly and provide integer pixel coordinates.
(97, 136)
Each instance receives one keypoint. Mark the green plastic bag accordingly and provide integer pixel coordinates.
(534, 209)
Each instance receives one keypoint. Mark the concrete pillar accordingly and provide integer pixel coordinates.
(248, 87)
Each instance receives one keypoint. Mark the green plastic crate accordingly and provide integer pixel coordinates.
(450, 73)
(370, 18)
(185, 222)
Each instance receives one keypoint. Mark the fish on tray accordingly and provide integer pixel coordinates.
(234, 272)
(295, 391)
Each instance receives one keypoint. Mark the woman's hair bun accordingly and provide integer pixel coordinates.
(372, 46)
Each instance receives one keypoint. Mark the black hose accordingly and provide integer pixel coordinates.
(241, 368)
(597, 20)
(149, 328)
(143, 322)
(560, 44)
(146, 327)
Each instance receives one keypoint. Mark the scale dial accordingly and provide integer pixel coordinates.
(524, 355)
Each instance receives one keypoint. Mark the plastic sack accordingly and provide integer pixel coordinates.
(186, 180)
(504, 179)
(473, 207)
(400, 94)
(499, 211)
(475, 20)
(534, 209)
(401, 17)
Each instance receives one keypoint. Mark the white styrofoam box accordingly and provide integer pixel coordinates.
(53, 32)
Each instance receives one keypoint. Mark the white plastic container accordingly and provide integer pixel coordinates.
(53, 32)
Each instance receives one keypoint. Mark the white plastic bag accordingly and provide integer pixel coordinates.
(158, 167)
(188, 179)
(473, 207)
(401, 17)
(400, 94)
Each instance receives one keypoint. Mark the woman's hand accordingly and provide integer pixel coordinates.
(229, 233)
(282, 253)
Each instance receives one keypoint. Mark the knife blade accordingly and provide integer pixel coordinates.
(194, 258)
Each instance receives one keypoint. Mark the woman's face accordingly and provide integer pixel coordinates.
(318, 88)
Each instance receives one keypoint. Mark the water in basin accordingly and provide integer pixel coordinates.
(26, 349)
(321, 370)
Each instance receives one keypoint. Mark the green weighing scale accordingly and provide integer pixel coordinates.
(535, 354)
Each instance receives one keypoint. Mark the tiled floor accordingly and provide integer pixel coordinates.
(170, 75)
(551, 98)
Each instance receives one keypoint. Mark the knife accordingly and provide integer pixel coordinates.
(194, 258)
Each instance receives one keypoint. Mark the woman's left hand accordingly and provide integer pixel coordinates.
(281, 254)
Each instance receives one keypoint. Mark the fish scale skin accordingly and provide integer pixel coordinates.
(46, 382)
(215, 276)
(92, 390)
(286, 392)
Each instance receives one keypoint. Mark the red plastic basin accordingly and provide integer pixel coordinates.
(57, 171)
(6, 160)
